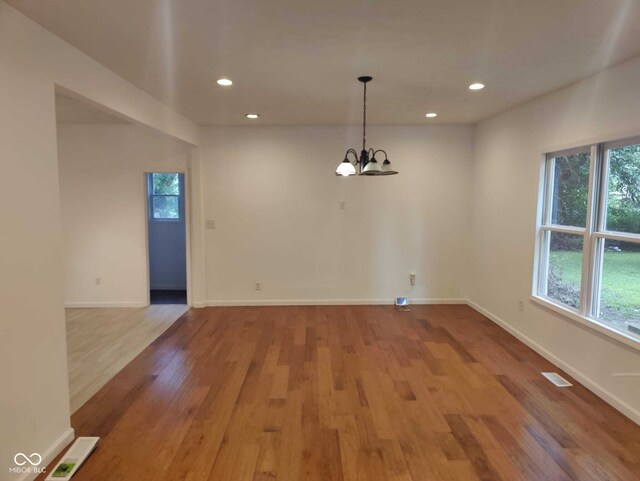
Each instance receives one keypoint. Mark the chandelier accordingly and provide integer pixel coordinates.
(366, 163)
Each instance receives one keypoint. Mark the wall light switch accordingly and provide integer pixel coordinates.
(211, 224)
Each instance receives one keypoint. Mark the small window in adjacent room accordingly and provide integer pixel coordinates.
(164, 196)
(589, 236)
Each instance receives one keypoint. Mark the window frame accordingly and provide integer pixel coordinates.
(151, 196)
(594, 237)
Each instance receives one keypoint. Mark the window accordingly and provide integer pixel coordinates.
(589, 235)
(165, 200)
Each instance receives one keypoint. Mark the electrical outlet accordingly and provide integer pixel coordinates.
(520, 305)
(412, 279)
(98, 281)
(258, 286)
(211, 224)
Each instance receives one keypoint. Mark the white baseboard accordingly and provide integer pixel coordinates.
(323, 302)
(49, 455)
(629, 411)
(74, 305)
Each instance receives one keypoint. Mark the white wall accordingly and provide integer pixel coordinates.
(508, 156)
(275, 201)
(34, 399)
(102, 189)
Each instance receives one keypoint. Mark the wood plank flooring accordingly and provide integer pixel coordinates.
(100, 342)
(348, 393)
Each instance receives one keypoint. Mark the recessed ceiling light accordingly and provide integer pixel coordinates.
(225, 82)
(431, 115)
(476, 86)
(252, 116)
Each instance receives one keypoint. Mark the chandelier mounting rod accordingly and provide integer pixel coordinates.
(364, 80)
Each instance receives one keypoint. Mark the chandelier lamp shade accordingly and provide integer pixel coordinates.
(366, 163)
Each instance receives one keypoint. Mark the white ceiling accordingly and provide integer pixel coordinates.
(296, 61)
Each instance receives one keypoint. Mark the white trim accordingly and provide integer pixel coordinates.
(619, 236)
(616, 144)
(324, 302)
(564, 229)
(187, 227)
(49, 455)
(589, 279)
(629, 411)
(198, 279)
(603, 189)
(74, 305)
(568, 152)
(594, 324)
(543, 217)
(145, 220)
(538, 269)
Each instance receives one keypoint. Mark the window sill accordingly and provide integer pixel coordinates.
(166, 221)
(602, 328)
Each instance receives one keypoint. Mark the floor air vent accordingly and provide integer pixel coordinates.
(557, 379)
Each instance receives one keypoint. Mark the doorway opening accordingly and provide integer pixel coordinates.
(167, 238)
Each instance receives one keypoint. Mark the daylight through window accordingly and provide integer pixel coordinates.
(589, 237)
(164, 196)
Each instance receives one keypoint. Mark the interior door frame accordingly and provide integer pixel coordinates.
(187, 229)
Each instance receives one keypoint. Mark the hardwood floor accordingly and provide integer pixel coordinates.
(348, 393)
(100, 342)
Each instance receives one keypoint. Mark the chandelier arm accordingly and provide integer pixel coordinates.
(380, 150)
(355, 154)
